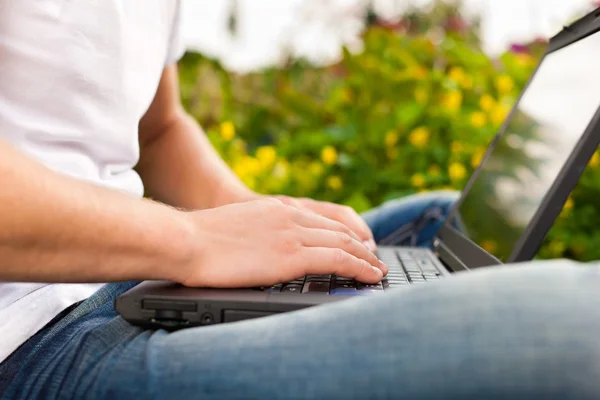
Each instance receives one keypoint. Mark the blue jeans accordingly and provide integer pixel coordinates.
(495, 333)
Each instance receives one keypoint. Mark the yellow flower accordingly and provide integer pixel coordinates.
(456, 147)
(487, 103)
(316, 168)
(329, 155)
(459, 76)
(557, 248)
(248, 166)
(334, 182)
(453, 100)
(477, 157)
(504, 84)
(566, 210)
(418, 180)
(419, 73)
(419, 137)
(421, 95)
(499, 114)
(467, 82)
(434, 171)
(489, 245)
(281, 169)
(569, 204)
(266, 155)
(457, 171)
(525, 60)
(227, 130)
(595, 160)
(391, 138)
(478, 119)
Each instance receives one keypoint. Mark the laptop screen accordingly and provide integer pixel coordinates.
(549, 120)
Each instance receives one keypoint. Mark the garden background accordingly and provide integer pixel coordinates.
(412, 111)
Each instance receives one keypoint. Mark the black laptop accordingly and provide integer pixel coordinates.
(505, 210)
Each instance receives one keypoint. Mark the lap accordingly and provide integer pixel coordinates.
(520, 332)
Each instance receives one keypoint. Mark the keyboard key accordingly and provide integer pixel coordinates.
(344, 285)
(275, 288)
(425, 263)
(396, 274)
(374, 287)
(397, 278)
(318, 278)
(314, 287)
(345, 292)
(394, 267)
(341, 279)
(344, 289)
(292, 288)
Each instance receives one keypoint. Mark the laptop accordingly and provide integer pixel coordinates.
(502, 216)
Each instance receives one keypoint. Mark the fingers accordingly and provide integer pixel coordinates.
(341, 240)
(322, 260)
(308, 219)
(347, 216)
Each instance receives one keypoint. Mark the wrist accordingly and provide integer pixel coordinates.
(178, 247)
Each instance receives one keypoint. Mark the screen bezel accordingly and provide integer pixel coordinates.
(460, 253)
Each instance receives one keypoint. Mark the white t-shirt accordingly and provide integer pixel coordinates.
(75, 79)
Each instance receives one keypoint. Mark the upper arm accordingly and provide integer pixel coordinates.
(166, 108)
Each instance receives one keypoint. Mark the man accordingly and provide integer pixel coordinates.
(89, 119)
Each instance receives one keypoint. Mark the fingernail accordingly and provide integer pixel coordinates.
(368, 245)
(373, 244)
(384, 268)
(378, 273)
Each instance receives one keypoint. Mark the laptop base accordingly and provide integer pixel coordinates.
(171, 306)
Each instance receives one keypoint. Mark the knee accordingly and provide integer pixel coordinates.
(534, 284)
(443, 199)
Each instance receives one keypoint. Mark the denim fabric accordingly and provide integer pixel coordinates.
(507, 332)
(411, 221)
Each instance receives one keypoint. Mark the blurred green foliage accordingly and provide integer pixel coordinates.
(413, 111)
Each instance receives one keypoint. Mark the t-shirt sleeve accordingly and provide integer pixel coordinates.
(176, 45)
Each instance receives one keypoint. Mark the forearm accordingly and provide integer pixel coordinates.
(180, 167)
(57, 229)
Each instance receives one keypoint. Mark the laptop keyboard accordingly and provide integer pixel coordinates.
(406, 267)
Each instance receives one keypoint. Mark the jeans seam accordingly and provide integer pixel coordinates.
(399, 235)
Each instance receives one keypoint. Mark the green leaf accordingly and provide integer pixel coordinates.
(407, 115)
(359, 202)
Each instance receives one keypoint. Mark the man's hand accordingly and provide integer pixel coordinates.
(266, 242)
(344, 214)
